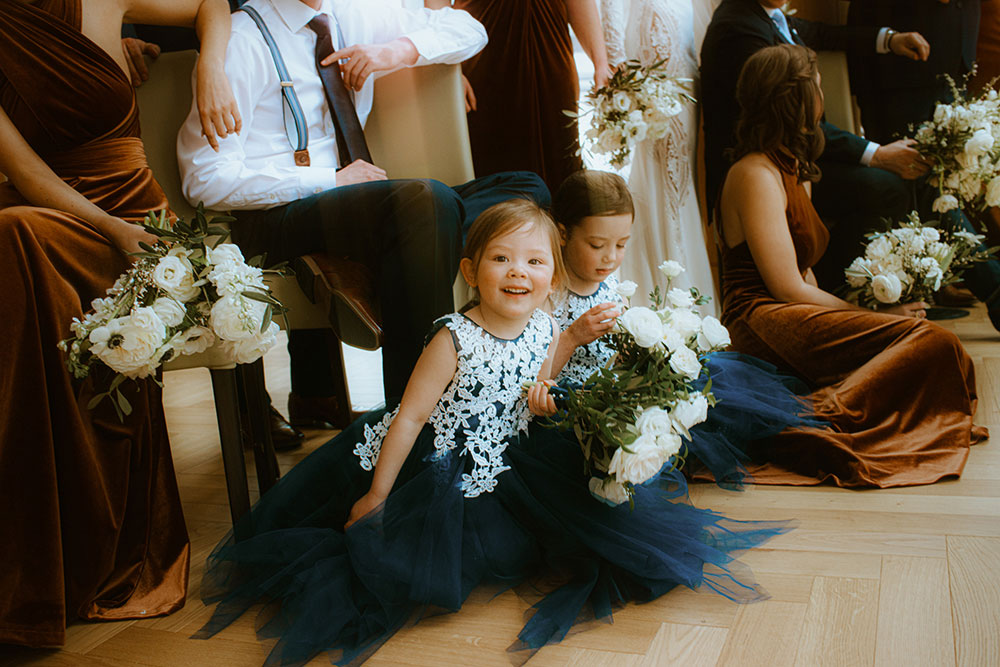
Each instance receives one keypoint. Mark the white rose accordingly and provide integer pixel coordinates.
(993, 192)
(621, 101)
(641, 463)
(193, 341)
(224, 253)
(671, 269)
(944, 203)
(980, 142)
(626, 288)
(679, 298)
(644, 325)
(175, 276)
(930, 234)
(714, 335)
(250, 349)
(690, 412)
(686, 322)
(235, 317)
(684, 361)
(130, 345)
(887, 288)
(669, 444)
(671, 340)
(879, 248)
(608, 491)
(169, 310)
(654, 421)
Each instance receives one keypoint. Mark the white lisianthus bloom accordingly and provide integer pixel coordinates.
(887, 288)
(944, 203)
(608, 491)
(993, 192)
(679, 298)
(641, 463)
(671, 269)
(669, 444)
(857, 273)
(250, 349)
(931, 271)
(644, 325)
(236, 317)
(175, 276)
(654, 421)
(686, 322)
(193, 341)
(684, 360)
(626, 288)
(169, 311)
(621, 101)
(714, 335)
(980, 142)
(691, 412)
(130, 345)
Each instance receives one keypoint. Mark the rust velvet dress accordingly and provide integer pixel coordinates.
(523, 81)
(91, 524)
(898, 393)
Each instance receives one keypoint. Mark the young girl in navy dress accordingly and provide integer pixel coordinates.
(408, 510)
(594, 213)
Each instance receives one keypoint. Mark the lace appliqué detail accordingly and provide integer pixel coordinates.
(484, 406)
(566, 309)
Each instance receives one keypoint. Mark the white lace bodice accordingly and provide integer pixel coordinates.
(567, 307)
(485, 405)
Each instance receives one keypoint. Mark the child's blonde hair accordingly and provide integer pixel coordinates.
(507, 217)
(589, 192)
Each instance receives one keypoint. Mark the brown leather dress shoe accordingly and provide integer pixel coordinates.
(951, 296)
(284, 436)
(346, 290)
(317, 412)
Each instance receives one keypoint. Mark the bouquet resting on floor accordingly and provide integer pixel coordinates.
(632, 416)
(910, 263)
(181, 296)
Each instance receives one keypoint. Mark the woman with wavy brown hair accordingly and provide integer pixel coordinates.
(898, 393)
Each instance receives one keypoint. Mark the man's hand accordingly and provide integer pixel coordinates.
(360, 171)
(910, 45)
(134, 50)
(901, 158)
(366, 59)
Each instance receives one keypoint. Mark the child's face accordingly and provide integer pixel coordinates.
(515, 271)
(594, 249)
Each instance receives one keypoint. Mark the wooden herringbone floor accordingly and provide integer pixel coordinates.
(896, 577)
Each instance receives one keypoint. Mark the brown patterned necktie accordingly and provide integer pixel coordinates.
(351, 144)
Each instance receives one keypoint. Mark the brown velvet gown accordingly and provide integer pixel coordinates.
(523, 81)
(92, 525)
(898, 393)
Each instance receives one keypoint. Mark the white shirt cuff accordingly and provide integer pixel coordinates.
(882, 41)
(313, 180)
(428, 44)
(866, 157)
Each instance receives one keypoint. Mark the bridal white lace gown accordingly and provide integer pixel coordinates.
(667, 217)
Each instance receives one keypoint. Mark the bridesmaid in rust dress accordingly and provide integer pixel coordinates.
(898, 393)
(92, 525)
(523, 81)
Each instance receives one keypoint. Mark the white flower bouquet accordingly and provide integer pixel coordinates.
(636, 104)
(632, 417)
(962, 143)
(910, 263)
(181, 296)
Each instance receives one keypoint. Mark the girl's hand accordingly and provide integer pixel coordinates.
(602, 75)
(470, 95)
(916, 309)
(366, 504)
(126, 235)
(594, 323)
(220, 116)
(539, 402)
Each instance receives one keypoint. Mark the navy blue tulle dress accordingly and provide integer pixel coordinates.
(753, 400)
(476, 501)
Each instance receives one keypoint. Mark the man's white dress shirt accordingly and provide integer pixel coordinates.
(256, 169)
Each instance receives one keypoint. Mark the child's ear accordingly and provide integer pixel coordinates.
(465, 266)
(563, 234)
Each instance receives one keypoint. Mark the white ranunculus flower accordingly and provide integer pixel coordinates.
(621, 101)
(250, 349)
(639, 465)
(175, 276)
(686, 322)
(169, 310)
(193, 341)
(887, 288)
(980, 142)
(680, 298)
(684, 360)
(691, 412)
(654, 421)
(671, 269)
(944, 203)
(236, 317)
(130, 345)
(644, 325)
(993, 192)
(669, 444)
(714, 335)
(857, 272)
(608, 491)
(626, 288)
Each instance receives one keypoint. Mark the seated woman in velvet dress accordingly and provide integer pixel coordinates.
(92, 526)
(898, 392)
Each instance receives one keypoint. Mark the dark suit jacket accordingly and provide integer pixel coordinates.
(740, 28)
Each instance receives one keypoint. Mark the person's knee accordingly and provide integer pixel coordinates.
(434, 206)
(531, 185)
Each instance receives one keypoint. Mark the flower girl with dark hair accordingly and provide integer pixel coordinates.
(409, 509)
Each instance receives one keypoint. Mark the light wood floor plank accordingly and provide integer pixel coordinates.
(688, 645)
(839, 627)
(974, 573)
(914, 613)
(764, 634)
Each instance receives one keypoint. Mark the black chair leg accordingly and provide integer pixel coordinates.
(228, 415)
(257, 405)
